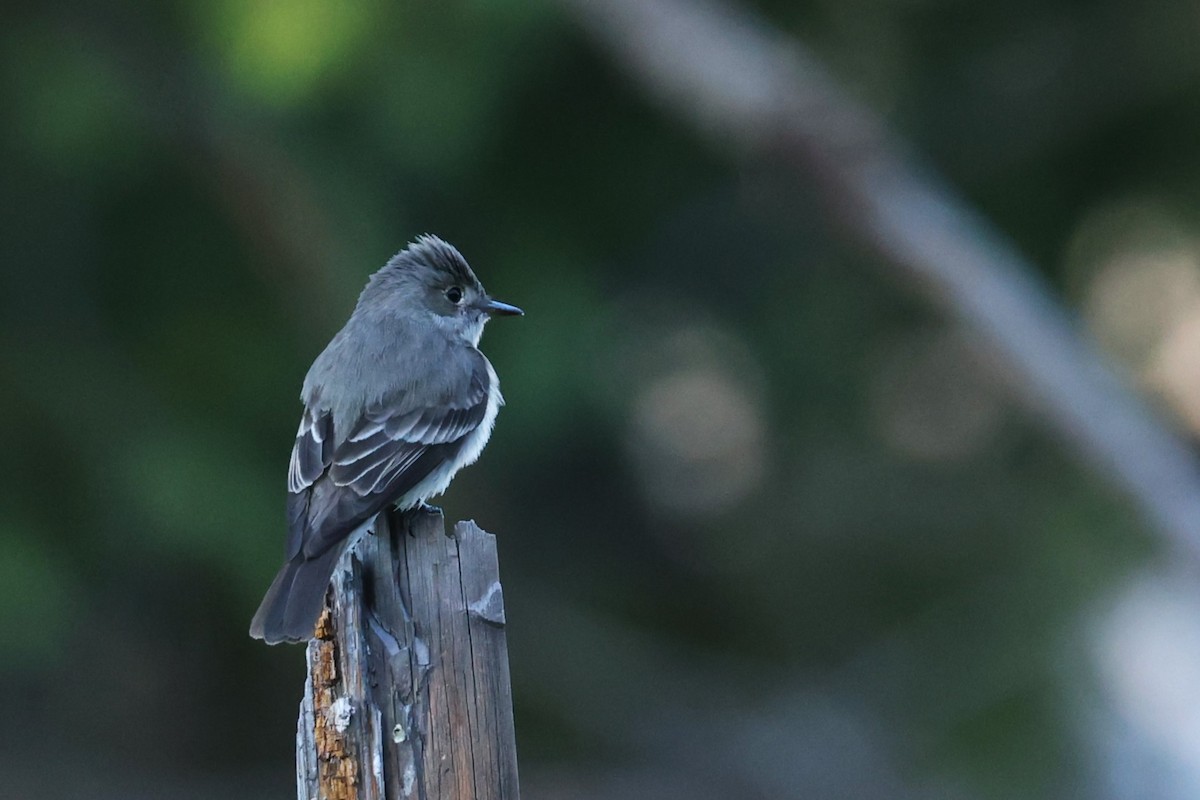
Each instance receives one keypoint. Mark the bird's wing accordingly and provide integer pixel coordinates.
(311, 456)
(313, 451)
(387, 453)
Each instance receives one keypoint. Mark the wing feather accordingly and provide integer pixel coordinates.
(312, 451)
(372, 453)
(387, 453)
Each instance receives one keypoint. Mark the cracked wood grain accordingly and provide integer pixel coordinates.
(408, 692)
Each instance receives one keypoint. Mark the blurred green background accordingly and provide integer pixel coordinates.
(768, 527)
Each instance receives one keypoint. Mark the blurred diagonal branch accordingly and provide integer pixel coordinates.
(763, 95)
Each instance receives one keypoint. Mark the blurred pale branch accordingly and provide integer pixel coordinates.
(762, 95)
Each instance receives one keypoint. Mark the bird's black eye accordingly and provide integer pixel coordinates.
(454, 294)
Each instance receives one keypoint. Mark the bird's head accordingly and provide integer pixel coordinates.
(432, 280)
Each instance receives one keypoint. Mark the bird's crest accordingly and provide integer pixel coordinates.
(433, 253)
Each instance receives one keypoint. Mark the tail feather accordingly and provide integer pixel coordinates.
(291, 607)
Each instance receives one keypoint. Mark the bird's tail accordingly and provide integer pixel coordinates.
(292, 605)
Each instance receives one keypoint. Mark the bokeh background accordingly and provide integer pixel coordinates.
(769, 526)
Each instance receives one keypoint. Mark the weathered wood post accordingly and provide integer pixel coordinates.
(408, 692)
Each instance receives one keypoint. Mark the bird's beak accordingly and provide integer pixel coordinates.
(497, 309)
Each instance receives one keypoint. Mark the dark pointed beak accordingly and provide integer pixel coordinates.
(497, 309)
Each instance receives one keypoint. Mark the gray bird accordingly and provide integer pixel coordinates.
(399, 401)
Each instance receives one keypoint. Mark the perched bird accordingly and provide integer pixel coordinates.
(399, 401)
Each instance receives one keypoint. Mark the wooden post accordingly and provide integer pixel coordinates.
(408, 692)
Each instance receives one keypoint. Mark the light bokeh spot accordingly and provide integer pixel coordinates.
(280, 51)
(1147, 651)
(1137, 269)
(696, 432)
(933, 399)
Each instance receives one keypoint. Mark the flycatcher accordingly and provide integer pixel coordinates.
(397, 403)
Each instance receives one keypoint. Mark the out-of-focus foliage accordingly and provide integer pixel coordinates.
(768, 528)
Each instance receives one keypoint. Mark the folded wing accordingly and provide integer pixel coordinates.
(390, 449)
